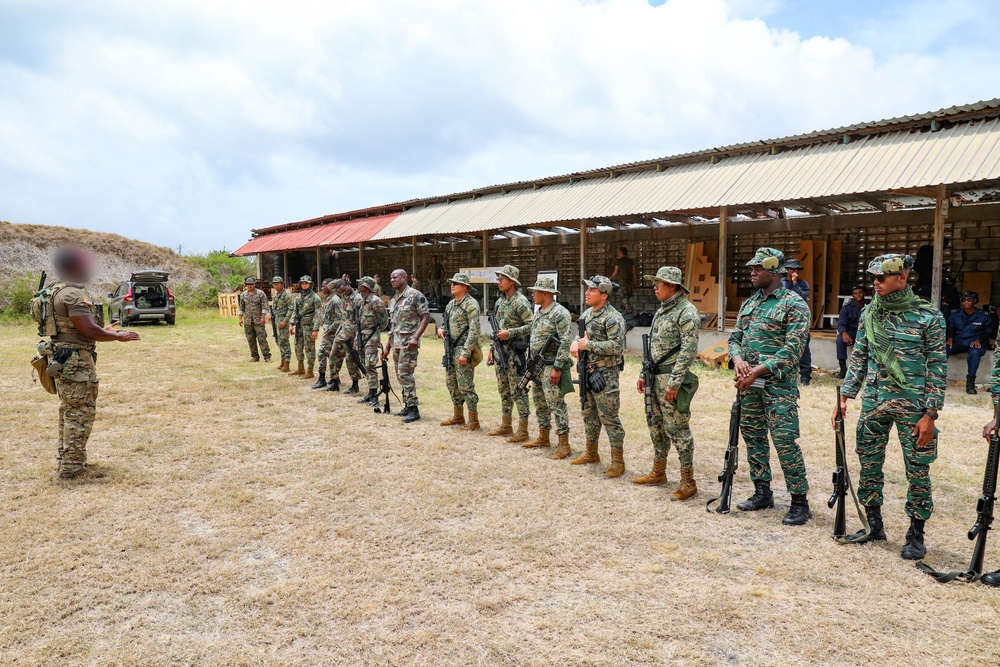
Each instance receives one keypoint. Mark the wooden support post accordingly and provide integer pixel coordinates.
(284, 271)
(413, 258)
(723, 253)
(486, 263)
(583, 263)
(260, 266)
(319, 277)
(361, 262)
(940, 215)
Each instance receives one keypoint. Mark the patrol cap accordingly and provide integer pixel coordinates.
(277, 279)
(250, 281)
(768, 259)
(512, 272)
(544, 284)
(671, 275)
(306, 279)
(793, 264)
(367, 281)
(890, 265)
(969, 294)
(602, 284)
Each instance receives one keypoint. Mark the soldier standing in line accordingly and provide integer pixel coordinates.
(513, 315)
(72, 316)
(462, 315)
(409, 315)
(627, 276)
(549, 389)
(343, 342)
(766, 343)
(306, 326)
(374, 318)
(900, 368)
(252, 306)
(282, 306)
(329, 325)
(604, 342)
(673, 346)
(993, 578)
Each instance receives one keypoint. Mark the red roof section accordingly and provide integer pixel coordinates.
(348, 232)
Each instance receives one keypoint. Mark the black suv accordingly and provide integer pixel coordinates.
(145, 297)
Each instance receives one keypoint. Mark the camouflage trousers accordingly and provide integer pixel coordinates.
(461, 383)
(874, 425)
(77, 410)
(256, 334)
(625, 302)
(602, 410)
(509, 395)
(549, 401)
(325, 348)
(340, 354)
(669, 426)
(372, 357)
(305, 346)
(774, 409)
(405, 362)
(284, 344)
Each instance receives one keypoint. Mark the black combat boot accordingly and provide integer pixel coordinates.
(369, 397)
(334, 384)
(970, 384)
(843, 369)
(991, 579)
(761, 499)
(405, 411)
(799, 512)
(877, 534)
(353, 390)
(373, 401)
(321, 382)
(413, 415)
(914, 548)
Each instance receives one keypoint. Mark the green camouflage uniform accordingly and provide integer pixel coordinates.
(995, 376)
(514, 314)
(463, 320)
(771, 330)
(344, 340)
(252, 308)
(283, 306)
(917, 338)
(329, 326)
(606, 331)
(406, 310)
(373, 320)
(675, 324)
(307, 306)
(549, 399)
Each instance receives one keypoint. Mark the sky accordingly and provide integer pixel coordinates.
(187, 123)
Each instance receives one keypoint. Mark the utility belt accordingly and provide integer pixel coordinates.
(604, 362)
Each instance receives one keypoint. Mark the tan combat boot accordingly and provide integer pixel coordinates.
(687, 487)
(457, 419)
(309, 375)
(617, 464)
(564, 450)
(541, 441)
(473, 424)
(281, 367)
(301, 370)
(521, 434)
(504, 428)
(590, 456)
(657, 475)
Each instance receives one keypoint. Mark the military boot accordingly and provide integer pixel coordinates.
(657, 475)
(687, 487)
(970, 384)
(321, 382)
(617, 464)
(473, 424)
(521, 434)
(353, 390)
(457, 417)
(504, 428)
(405, 411)
(761, 499)
(334, 384)
(541, 441)
(80, 473)
(991, 579)
(914, 548)
(301, 370)
(413, 415)
(564, 450)
(843, 369)
(799, 512)
(284, 365)
(877, 533)
(591, 455)
(309, 374)
(369, 397)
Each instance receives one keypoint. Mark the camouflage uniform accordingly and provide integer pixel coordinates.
(463, 320)
(916, 333)
(606, 334)
(406, 310)
(373, 320)
(329, 326)
(283, 306)
(995, 376)
(252, 308)
(514, 314)
(344, 340)
(771, 330)
(548, 398)
(307, 304)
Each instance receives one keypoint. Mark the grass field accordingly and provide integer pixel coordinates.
(246, 520)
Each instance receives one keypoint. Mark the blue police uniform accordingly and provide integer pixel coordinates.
(965, 329)
(850, 316)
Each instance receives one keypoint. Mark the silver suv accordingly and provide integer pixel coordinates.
(144, 297)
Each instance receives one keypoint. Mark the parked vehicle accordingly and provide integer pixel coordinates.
(144, 297)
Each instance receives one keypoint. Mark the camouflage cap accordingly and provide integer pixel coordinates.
(890, 265)
(306, 279)
(671, 275)
(602, 284)
(969, 294)
(250, 281)
(461, 279)
(768, 259)
(277, 279)
(367, 281)
(544, 284)
(512, 272)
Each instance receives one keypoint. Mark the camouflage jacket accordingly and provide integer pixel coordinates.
(378, 291)
(606, 331)
(917, 336)
(374, 317)
(331, 316)
(348, 325)
(253, 305)
(995, 376)
(406, 310)
(307, 304)
(463, 320)
(771, 330)
(553, 320)
(514, 314)
(283, 306)
(675, 324)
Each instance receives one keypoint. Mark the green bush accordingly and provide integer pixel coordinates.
(227, 273)
(17, 295)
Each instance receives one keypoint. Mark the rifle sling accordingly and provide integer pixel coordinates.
(863, 537)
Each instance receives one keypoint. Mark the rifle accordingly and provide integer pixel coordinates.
(537, 362)
(274, 325)
(731, 462)
(582, 369)
(499, 348)
(446, 361)
(841, 485)
(384, 387)
(41, 282)
(984, 516)
(649, 380)
(354, 347)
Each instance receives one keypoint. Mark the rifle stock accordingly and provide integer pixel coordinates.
(839, 496)
(500, 357)
(648, 379)
(537, 362)
(582, 370)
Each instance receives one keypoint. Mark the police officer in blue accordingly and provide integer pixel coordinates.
(793, 282)
(969, 331)
(847, 326)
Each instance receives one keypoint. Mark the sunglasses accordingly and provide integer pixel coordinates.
(882, 277)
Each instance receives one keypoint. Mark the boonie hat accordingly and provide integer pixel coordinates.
(768, 259)
(890, 265)
(250, 281)
(512, 272)
(544, 284)
(793, 264)
(306, 279)
(277, 279)
(669, 274)
(461, 279)
(367, 281)
(602, 284)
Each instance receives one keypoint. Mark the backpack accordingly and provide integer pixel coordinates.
(41, 309)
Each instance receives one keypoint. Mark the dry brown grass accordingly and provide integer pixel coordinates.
(249, 521)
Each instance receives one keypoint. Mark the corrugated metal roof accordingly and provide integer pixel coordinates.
(339, 233)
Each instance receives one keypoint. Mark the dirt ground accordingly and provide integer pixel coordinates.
(246, 520)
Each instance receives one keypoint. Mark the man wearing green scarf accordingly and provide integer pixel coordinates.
(900, 368)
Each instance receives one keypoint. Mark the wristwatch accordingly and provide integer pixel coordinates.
(933, 414)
